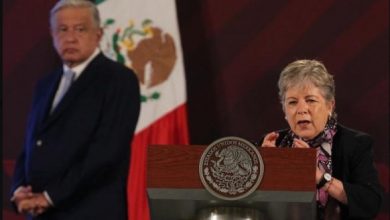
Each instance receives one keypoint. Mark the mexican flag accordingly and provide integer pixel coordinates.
(144, 35)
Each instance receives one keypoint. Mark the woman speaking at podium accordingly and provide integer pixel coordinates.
(347, 181)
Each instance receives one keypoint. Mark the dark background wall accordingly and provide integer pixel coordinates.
(233, 51)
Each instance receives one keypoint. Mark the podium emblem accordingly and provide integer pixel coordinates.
(231, 168)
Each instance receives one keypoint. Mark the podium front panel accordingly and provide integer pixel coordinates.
(175, 191)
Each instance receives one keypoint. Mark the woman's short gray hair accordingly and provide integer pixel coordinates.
(301, 72)
(75, 4)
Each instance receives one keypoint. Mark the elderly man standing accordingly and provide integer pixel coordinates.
(75, 160)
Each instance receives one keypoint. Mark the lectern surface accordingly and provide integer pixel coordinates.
(287, 190)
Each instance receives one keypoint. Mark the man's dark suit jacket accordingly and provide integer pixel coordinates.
(80, 152)
(352, 163)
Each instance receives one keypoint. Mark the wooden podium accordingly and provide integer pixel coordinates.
(287, 190)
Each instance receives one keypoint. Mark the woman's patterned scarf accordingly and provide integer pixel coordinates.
(323, 143)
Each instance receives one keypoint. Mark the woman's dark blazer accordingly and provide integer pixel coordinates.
(352, 163)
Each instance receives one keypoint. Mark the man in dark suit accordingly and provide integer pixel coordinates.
(75, 160)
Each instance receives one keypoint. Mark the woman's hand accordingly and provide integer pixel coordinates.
(270, 139)
(298, 143)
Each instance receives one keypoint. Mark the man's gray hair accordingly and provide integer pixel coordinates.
(75, 4)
